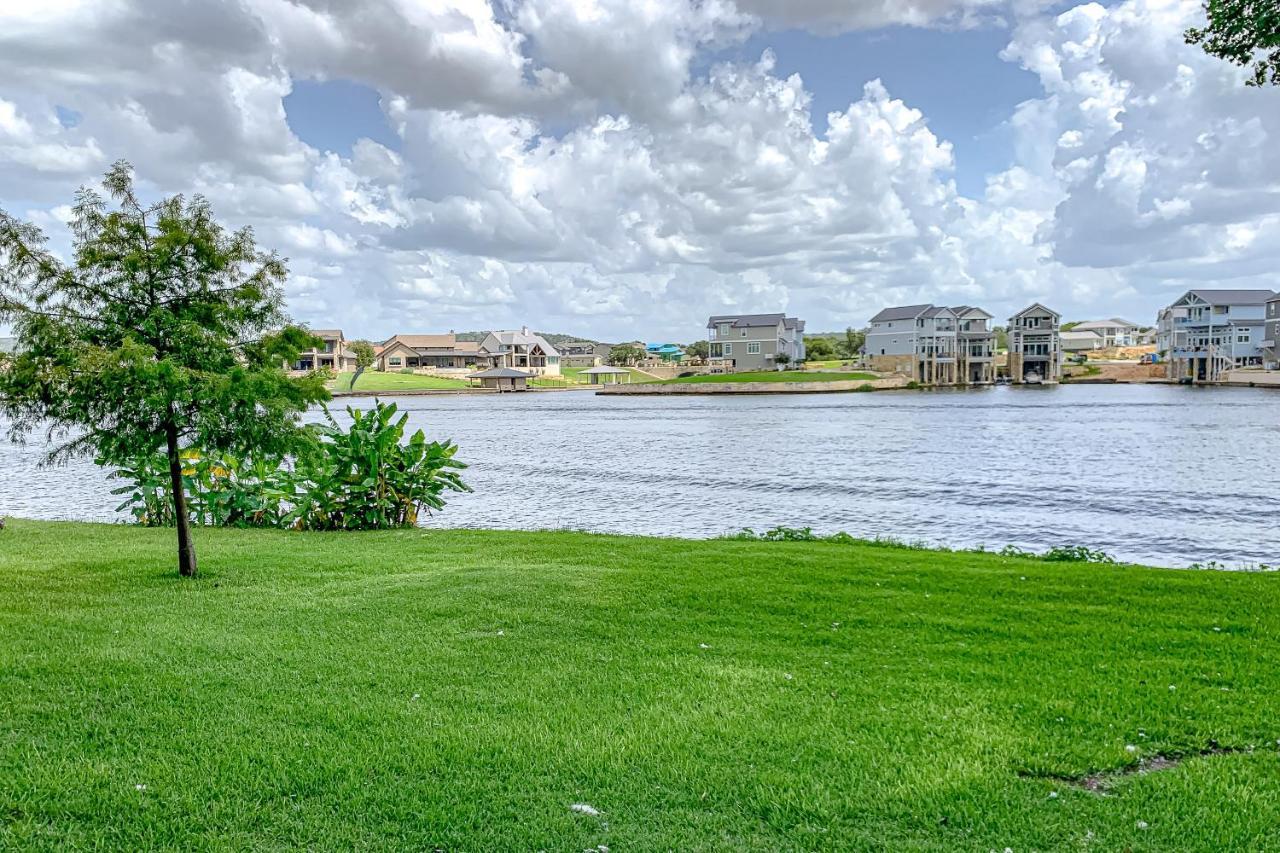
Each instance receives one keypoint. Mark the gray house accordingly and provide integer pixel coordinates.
(933, 344)
(742, 342)
(1212, 331)
(1035, 345)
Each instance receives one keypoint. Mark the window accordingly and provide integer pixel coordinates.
(728, 349)
(395, 361)
(753, 349)
(744, 333)
(1242, 338)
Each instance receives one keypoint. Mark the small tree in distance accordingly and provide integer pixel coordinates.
(625, 356)
(365, 357)
(153, 339)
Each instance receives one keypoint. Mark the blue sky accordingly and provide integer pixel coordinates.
(955, 77)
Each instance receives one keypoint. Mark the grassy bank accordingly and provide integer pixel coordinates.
(463, 690)
(776, 376)
(373, 381)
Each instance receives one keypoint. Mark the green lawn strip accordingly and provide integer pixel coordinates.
(700, 694)
(776, 376)
(372, 380)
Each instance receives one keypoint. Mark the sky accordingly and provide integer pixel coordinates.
(621, 169)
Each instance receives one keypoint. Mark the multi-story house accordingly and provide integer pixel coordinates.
(1114, 332)
(1271, 335)
(933, 344)
(1213, 331)
(740, 342)
(332, 354)
(583, 354)
(522, 350)
(431, 352)
(1035, 348)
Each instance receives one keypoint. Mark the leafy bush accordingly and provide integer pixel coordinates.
(1076, 554)
(408, 371)
(363, 478)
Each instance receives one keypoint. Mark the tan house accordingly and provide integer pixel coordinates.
(431, 352)
(333, 354)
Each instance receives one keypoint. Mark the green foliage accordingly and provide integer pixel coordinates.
(154, 338)
(362, 478)
(782, 358)
(363, 351)
(819, 349)
(1066, 327)
(1057, 554)
(625, 355)
(1244, 33)
(698, 350)
(851, 345)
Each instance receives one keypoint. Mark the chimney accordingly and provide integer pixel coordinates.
(524, 330)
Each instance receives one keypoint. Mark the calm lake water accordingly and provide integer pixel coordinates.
(1156, 474)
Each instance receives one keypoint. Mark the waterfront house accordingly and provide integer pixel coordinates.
(583, 354)
(1213, 331)
(1076, 341)
(933, 344)
(522, 350)
(664, 352)
(1271, 335)
(502, 379)
(426, 353)
(1114, 332)
(1035, 345)
(745, 342)
(332, 353)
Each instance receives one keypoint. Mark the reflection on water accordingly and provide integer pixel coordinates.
(1157, 474)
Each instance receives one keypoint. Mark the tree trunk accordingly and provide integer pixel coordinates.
(186, 549)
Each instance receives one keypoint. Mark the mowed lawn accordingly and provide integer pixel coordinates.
(373, 380)
(463, 690)
(777, 376)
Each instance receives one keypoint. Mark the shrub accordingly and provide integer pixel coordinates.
(362, 478)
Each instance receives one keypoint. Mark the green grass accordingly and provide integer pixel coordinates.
(462, 689)
(776, 376)
(372, 380)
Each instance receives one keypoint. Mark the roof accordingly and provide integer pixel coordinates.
(519, 336)
(605, 371)
(1089, 325)
(1233, 297)
(326, 333)
(793, 323)
(936, 310)
(500, 373)
(902, 312)
(1033, 306)
(961, 310)
(8, 344)
(742, 321)
(662, 348)
(1078, 333)
(423, 341)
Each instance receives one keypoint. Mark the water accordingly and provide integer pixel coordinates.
(1156, 474)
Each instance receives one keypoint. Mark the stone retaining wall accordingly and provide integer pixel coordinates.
(640, 389)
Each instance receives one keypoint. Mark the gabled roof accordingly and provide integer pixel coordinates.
(901, 312)
(741, 321)
(1230, 297)
(1077, 332)
(500, 373)
(1032, 307)
(794, 323)
(326, 333)
(423, 341)
(963, 310)
(513, 337)
(938, 311)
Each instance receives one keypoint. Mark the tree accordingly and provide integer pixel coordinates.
(819, 349)
(365, 357)
(1066, 327)
(852, 343)
(153, 339)
(700, 350)
(625, 355)
(1245, 33)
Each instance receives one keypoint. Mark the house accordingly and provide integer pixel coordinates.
(583, 354)
(1035, 345)
(664, 352)
(744, 342)
(933, 344)
(1076, 341)
(431, 353)
(1213, 331)
(1271, 335)
(522, 350)
(1114, 332)
(502, 379)
(332, 354)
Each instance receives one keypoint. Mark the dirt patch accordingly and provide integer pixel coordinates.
(1101, 781)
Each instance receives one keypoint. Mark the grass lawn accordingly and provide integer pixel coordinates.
(372, 380)
(464, 689)
(776, 376)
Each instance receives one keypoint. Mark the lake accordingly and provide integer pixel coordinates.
(1157, 474)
